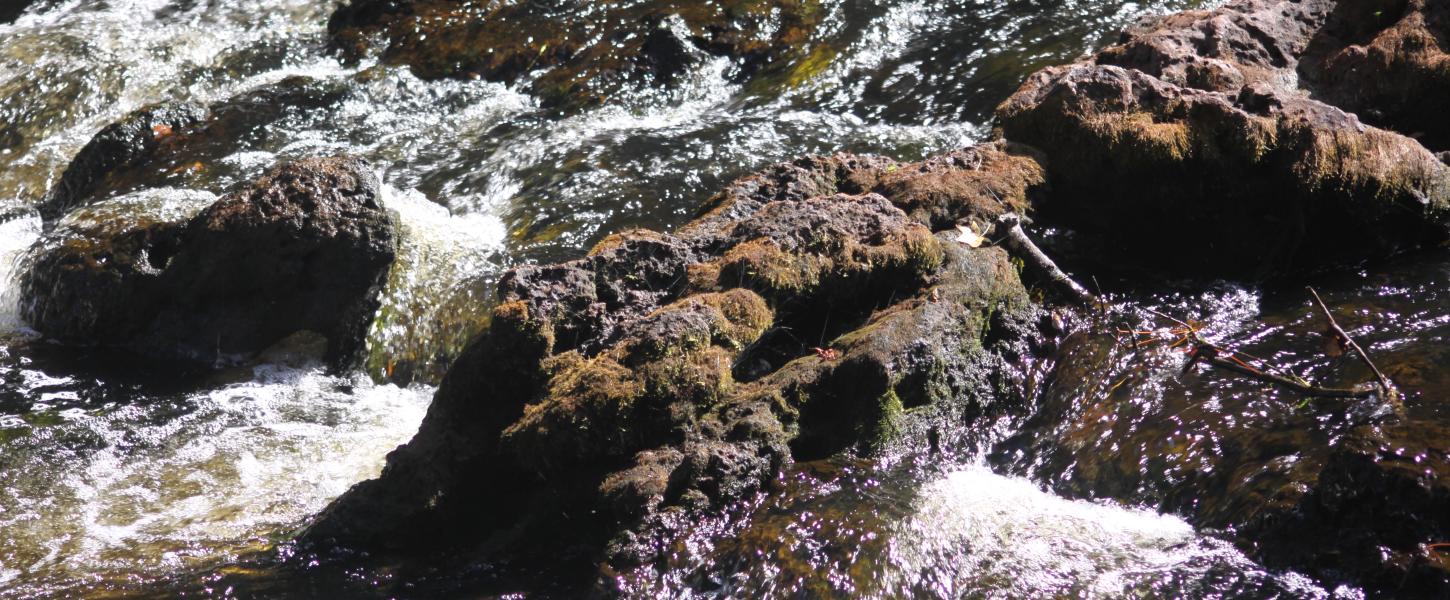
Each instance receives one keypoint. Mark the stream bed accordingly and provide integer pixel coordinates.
(119, 478)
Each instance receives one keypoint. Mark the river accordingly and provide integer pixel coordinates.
(120, 478)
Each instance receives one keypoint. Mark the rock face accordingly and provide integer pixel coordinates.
(304, 247)
(1195, 119)
(666, 377)
(587, 50)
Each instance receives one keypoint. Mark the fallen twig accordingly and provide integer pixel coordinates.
(1009, 228)
(1343, 337)
(1213, 355)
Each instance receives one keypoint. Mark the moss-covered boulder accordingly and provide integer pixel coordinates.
(667, 377)
(582, 51)
(305, 247)
(1191, 135)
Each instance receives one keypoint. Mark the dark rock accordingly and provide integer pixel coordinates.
(1372, 515)
(305, 247)
(177, 143)
(121, 146)
(1207, 131)
(603, 410)
(586, 50)
(11, 10)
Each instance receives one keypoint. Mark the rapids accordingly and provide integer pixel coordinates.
(121, 478)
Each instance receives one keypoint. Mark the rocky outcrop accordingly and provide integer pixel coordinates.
(1195, 120)
(303, 248)
(176, 143)
(666, 377)
(826, 305)
(586, 50)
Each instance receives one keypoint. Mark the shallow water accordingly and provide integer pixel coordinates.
(122, 478)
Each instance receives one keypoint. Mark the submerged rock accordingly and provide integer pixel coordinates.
(665, 378)
(1193, 135)
(585, 50)
(304, 247)
(1378, 513)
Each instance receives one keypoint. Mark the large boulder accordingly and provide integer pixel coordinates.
(586, 50)
(305, 247)
(664, 378)
(1192, 134)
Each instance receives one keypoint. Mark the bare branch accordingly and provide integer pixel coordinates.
(1009, 227)
(1342, 335)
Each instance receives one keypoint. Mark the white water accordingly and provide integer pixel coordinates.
(108, 482)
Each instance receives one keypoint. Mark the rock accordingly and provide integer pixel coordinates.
(1348, 492)
(120, 147)
(665, 378)
(1373, 515)
(304, 247)
(1205, 129)
(12, 10)
(177, 143)
(1388, 62)
(585, 50)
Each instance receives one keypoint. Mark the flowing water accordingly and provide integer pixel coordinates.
(122, 478)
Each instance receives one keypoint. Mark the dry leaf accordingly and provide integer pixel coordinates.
(969, 237)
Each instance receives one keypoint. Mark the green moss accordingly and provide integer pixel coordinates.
(885, 426)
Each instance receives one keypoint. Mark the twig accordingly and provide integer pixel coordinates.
(1009, 227)
(1210, 354)
(1385, 385)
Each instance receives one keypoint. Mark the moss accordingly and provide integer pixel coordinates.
(745, 316)
(885, 425)
(762, 265)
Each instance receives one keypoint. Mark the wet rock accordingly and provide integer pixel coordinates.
(1374, 514)
(121, 146)
(304, 247)
(1349, 492)
(1203, 144)
(178, 143)
(12, 10)
(586, 51)
(665, 378)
